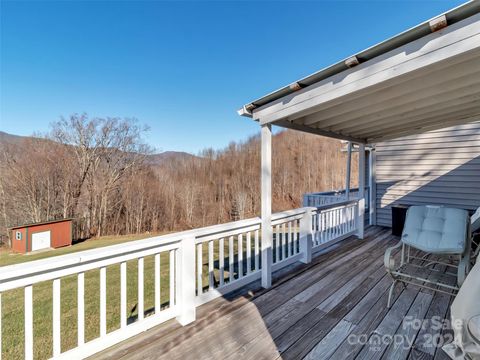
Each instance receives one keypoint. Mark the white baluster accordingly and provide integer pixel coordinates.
(339, 221)
(231, 258)
(327, 226)
(56, 318)
(210, 265)
(277, 243)
(322, 219)
(240, 256)
(249, 253)
(314, 230)
(158, 279)
(221, 260)
(103, 301)
(257, 251)
(296, 236)
(289, 239)
(123, 294)
(28, 323)
(172, 277)
(199, 269)
(141, 311)
(81, 308)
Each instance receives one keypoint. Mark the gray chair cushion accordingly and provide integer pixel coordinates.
(436, 229)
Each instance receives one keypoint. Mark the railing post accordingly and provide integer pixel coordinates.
(306, 237)
(306, 200)
(185, 281)
(360, 218)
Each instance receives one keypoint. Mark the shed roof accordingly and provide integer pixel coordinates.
(425, 78)
(40, 223)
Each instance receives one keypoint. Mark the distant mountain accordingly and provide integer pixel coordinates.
(7, 139)
(157, 159)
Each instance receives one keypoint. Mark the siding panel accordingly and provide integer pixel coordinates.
(439, 167)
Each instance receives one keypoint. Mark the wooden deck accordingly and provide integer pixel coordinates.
(333, 308)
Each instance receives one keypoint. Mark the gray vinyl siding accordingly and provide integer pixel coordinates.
(438, 167)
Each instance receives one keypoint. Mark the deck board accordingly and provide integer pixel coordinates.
(312, 311)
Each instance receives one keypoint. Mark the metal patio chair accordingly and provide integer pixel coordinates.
(475, 227)
(433, 236)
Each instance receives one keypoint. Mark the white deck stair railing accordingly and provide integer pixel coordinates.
(203, 264)
(330, 197)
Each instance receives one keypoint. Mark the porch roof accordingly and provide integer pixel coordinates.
(422, 79)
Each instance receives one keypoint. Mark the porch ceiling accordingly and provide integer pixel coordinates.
(426, 84)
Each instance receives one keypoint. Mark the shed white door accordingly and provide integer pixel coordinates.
(40, 240)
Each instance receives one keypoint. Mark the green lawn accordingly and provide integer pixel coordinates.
(8, 257)
(13, 309)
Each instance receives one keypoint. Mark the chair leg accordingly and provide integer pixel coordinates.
(390, 294)
(463, 268)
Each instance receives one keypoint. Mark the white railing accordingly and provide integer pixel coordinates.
(332, 197)
(334, 223)
(197, 265)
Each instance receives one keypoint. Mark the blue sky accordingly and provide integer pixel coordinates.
(182, 68)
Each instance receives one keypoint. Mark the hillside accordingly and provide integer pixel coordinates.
(160, 192)
(15, 141)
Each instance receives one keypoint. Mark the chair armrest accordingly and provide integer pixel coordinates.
(388, 259)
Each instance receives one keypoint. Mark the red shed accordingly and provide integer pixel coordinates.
(44, 235)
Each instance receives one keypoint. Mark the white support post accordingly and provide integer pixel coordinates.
(372, 185)
(361, 191)
(349, 170)
(185, 281)
(266, 186)
(306, 237)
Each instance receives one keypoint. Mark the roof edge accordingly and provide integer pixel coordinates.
(39, 223)
(452, 16)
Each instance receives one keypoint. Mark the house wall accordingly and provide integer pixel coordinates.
(439, 167)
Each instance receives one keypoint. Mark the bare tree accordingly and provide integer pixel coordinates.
(96, 171)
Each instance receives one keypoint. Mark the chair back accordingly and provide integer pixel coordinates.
(475, 221)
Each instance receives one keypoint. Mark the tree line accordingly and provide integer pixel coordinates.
(101, 173)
